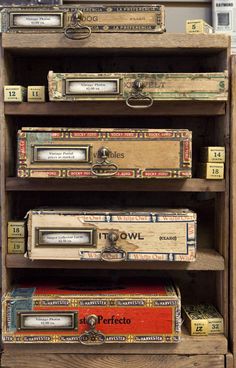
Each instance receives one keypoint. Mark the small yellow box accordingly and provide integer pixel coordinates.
(16, 229)
(16, 246)
(36, 94)
(14, 93)
(213, 154)
(198, 26)
(202, 319)
(211, 170)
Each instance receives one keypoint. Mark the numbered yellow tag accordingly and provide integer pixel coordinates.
(16, 229)
(14, 93)
(211, 171)
(213, 154)
(16, 246)
(36, 94)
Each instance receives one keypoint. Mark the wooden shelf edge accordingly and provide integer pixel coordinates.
(175, 42)
(207, 260)
(115, 108)
(112, 360)
(216, 344)
(163, 185)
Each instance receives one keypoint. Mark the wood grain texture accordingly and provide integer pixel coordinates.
(115, 108)
(147, 185)
(229, 360)
(213, 345)
(207, 259)
(233, 214)
(107, 361)
(119, 42)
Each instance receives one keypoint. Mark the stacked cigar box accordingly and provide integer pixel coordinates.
(126, 311)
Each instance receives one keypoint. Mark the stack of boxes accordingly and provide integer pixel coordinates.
(16, 237)
(212, 162)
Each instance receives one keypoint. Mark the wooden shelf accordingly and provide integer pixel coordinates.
(112, 360)
(207, 260)
(115, 108)
(116, 185)
(189, 345)
(116, 43)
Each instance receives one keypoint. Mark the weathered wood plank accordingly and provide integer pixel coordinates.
(107, 361)
(115, 108)
(117, 41)
(191, 344)
(149, 185)
(232, 304)
(207, 259)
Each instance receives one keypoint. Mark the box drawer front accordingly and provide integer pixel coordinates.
(113, 237)
(138, 90)
(105, 153)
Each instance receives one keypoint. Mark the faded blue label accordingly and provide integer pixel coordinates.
(23, 292)
(23, 305)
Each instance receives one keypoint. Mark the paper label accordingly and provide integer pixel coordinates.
(36, 20)
(61, 154)
(93, 87)
(76, 238)
(46, 321)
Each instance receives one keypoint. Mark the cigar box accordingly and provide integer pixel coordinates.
(79, 21)
(103, 153)
(213, 154)
(112, 236)
(202, 319)
(211, 170)
(137, 90)
(93, 314)
(198, 26)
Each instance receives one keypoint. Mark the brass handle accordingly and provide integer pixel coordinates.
(112, 253)
(92, 336)
(75, 30)
(137, 95)
(104, 168)
(77, 33)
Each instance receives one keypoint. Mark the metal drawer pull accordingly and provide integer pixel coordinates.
(76, 31)
(104, 167)
(92, 336)
(110, 252)
(137, 95)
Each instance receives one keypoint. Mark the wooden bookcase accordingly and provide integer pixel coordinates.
(26, 60)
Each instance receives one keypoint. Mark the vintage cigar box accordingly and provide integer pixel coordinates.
(213, 154)
(137, 89)
(85, 18)
(14, 94)
(16, 229)
(93, 314)
(198, 26)
(103, 235)
(202, 319)
(211, 170)
(16, 245)
(100, 153)
(36, 94)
